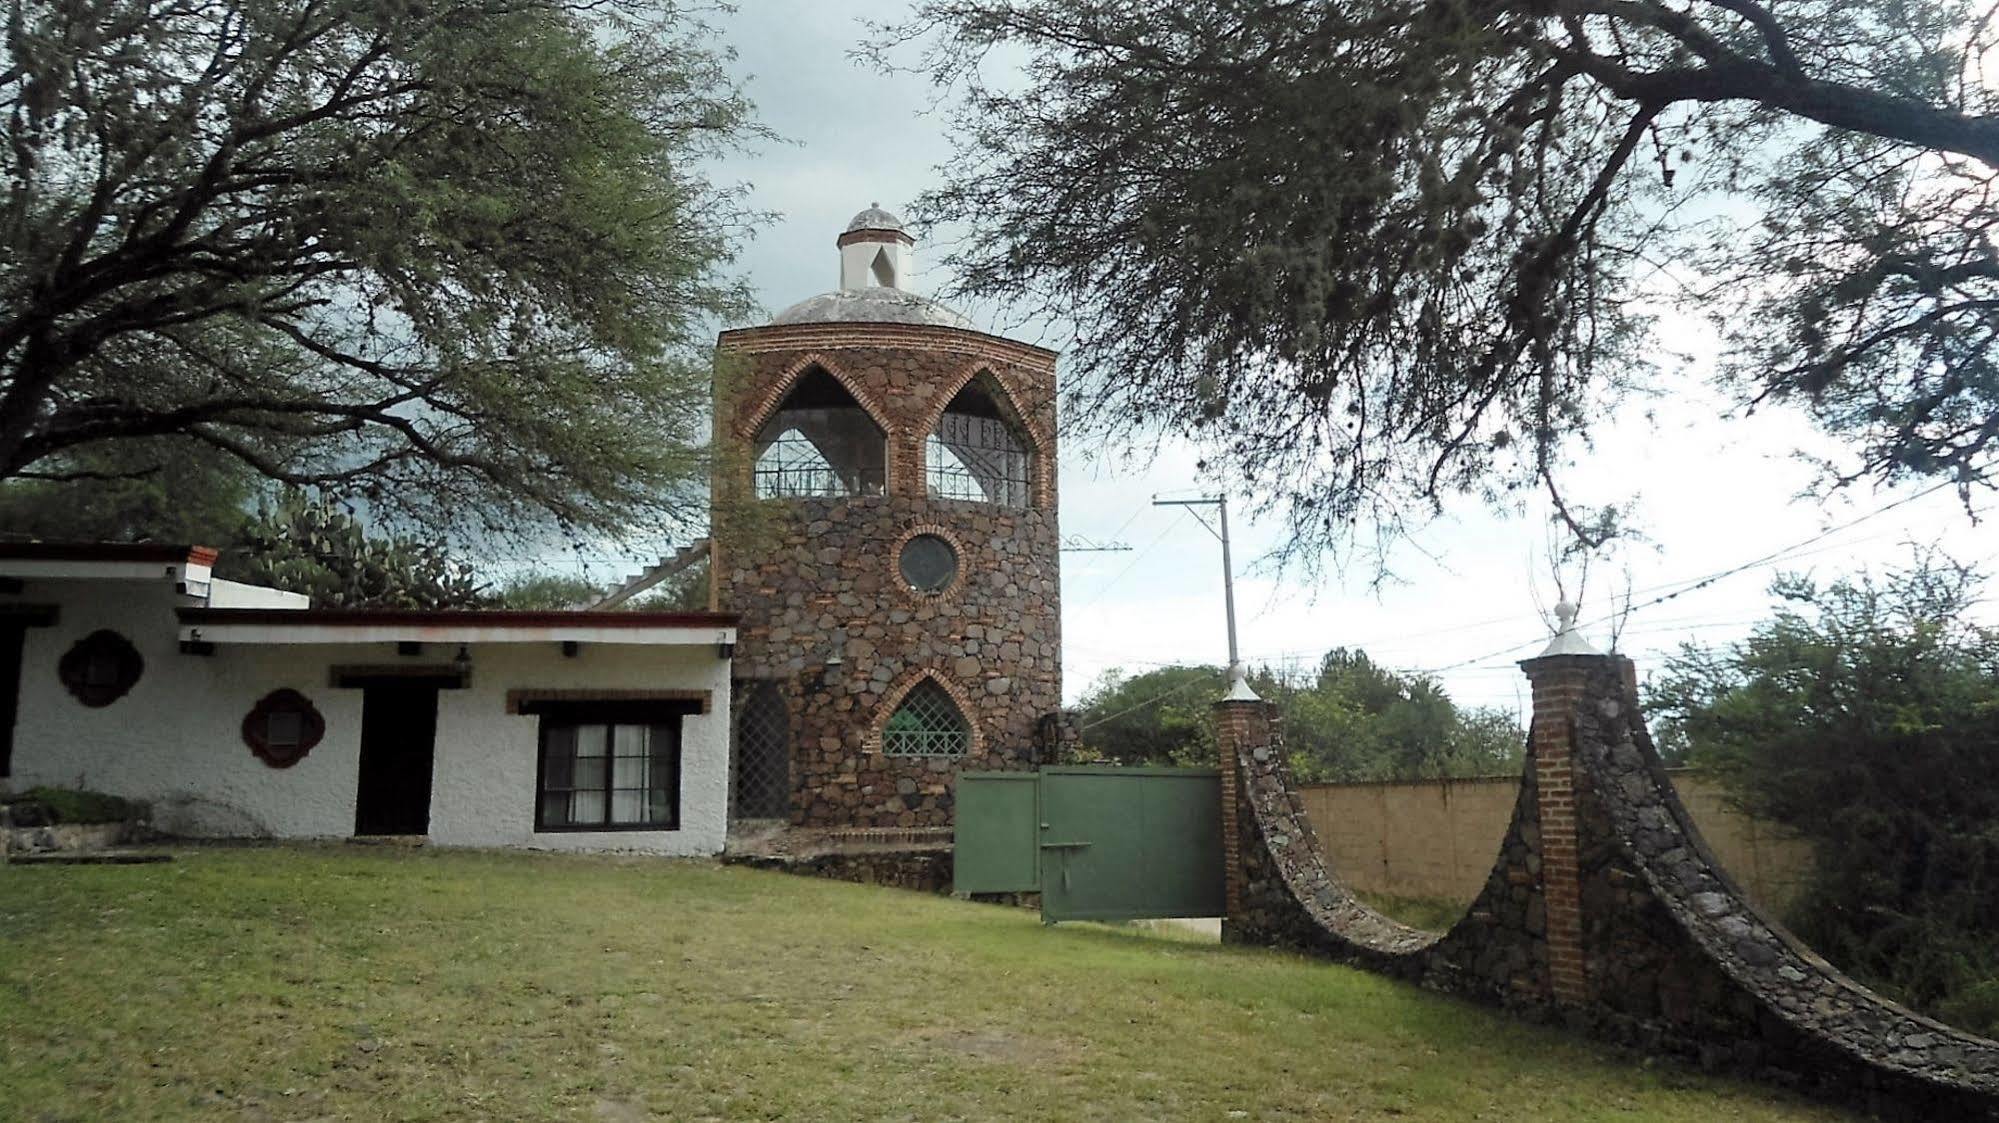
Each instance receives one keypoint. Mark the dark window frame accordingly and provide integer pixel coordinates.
(658, 715)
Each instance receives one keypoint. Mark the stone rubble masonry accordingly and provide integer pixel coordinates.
(825, 613)
(1605, 911)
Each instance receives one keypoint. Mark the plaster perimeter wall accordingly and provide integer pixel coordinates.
(1436, 838)
(175, 740)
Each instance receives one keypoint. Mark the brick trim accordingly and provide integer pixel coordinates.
(1234, 722)
(871, 234)
(872, 334)
(947, 594)
(1558, 689)
(523, 696)
(1008, 397)
(897, 691)
(772, 396)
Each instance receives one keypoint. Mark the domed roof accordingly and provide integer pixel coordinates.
(875, 218)
(879, 305)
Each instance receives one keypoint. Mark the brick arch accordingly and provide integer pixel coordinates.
(910, 528)
(781, 387)
(1040, 444)
(1008, 399)
(900, 688)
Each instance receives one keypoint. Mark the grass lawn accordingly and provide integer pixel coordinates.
(372, 983)
(1433, 914)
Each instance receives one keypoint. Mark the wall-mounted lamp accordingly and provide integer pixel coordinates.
(569, 648)
(462, 660)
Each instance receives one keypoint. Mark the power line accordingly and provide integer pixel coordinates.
(1705, 582)
(1135, 559)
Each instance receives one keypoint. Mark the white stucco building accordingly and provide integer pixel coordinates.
(238, 711)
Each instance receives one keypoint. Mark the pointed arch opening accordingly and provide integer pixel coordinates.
(820, 443)
(978, 452)
(927, 723)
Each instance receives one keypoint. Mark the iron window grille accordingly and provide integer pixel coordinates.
(820, 444)
(762, 756)
(927, 723)
(617, 773)
(793, 467)
(978, 458)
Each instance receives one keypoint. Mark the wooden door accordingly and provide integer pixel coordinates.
(398, 748)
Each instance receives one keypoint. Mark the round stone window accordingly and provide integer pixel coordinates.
(929, 563)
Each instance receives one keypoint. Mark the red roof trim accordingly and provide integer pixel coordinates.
(108, 552)
(502, 618)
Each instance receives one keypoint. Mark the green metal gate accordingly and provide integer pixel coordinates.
(1099, 842)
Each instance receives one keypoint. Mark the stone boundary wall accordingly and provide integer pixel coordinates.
(1605, 911)
(1436, 838)
(924, 869)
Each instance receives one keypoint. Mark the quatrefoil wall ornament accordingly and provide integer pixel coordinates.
(283, 727)
(100, 668)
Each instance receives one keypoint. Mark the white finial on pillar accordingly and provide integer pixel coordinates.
(1567, 640)
(1239, 690)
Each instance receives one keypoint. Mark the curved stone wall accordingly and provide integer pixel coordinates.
(1605, 910)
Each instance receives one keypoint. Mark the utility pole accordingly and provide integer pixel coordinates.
(1239, 690)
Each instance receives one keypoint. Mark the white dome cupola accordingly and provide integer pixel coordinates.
(877, 280)
(876, 251)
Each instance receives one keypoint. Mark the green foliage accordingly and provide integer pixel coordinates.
(547, 592)
(1865, 716)
(1352, 720)
(1376, 253)
(1159, 717)
(69, 805)
(144, 490)
(312, 545)
(457, 260)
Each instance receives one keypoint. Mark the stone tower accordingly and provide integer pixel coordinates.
(885, 525)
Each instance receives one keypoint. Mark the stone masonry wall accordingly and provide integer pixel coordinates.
(1605, 911)
(817, 579)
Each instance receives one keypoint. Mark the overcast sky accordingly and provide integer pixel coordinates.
(1713, 493)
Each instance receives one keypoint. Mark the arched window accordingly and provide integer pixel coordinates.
(820, 443)
(927, 723)
(977, 453)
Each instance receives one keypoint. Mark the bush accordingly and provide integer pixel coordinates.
(1865, 716)
(63, 805)
(1975, 1007)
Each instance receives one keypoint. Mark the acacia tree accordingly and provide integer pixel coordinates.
(1381, 251)
(456, 258)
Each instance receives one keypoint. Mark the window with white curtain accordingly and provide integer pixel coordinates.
(612, 774)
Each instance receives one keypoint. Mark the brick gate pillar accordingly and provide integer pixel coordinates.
(1560, 676)
(1242, 724)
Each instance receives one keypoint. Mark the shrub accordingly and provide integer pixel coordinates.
(65, 805)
